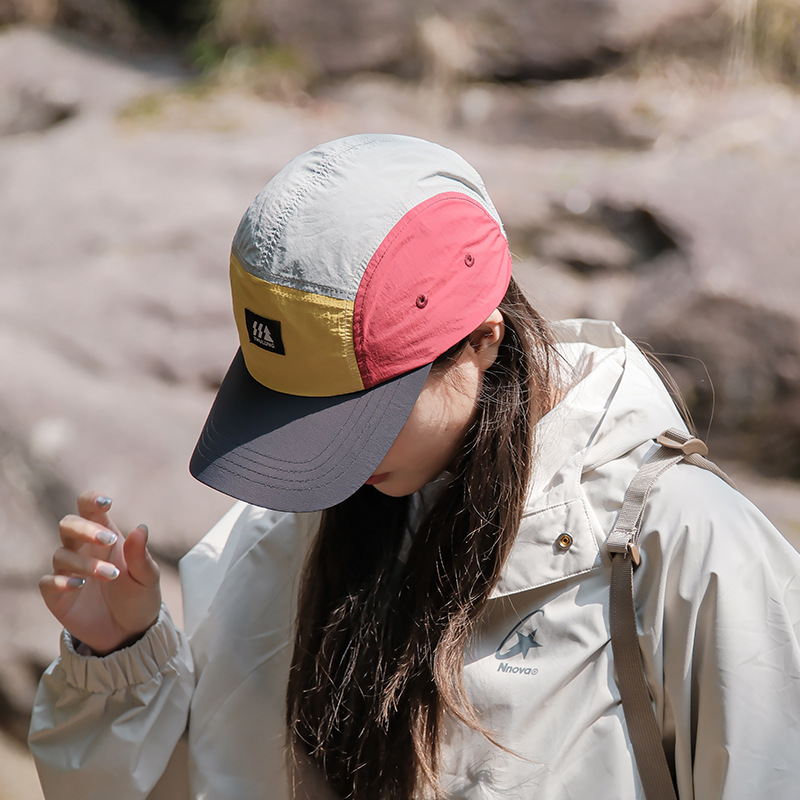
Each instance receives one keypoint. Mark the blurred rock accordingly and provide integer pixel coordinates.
(32, 640)
(563, 115)
(47, 77)
(599, 238)
(586, 248)
(737, 363)
(478, 39)
(26, 110)
(34, 499)
(20, 781)
(696, 256)
(674, 211)
(109, 21)
(590, 114)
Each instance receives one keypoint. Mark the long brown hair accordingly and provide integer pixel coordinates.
(379, 647)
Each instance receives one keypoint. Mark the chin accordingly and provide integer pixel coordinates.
(400, 488)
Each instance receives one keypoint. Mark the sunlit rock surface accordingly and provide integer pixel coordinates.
(663, 198)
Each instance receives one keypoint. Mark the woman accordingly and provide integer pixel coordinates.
(424, 613)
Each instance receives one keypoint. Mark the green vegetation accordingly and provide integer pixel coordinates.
(270, 71)
(146, 108)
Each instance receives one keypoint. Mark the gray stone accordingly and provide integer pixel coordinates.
(108, 21)
(24, 110)
(475, 39)
(115, 231)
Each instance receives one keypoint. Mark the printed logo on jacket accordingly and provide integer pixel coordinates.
(519, 641)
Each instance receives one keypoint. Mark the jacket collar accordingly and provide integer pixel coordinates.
(615, 402)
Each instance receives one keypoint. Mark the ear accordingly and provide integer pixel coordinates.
(485, 339)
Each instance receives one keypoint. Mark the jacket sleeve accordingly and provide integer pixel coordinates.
(730, 603)
(106, 727)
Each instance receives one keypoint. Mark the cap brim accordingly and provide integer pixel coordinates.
(293, 453)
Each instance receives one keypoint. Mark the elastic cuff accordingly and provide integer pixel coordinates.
(139, 663)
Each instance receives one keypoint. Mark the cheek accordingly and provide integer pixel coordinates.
(414, 445)
(432, 436)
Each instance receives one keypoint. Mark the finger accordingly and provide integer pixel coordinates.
(75, 531)
(94, 506)
(55, 589)
(69, 563)
(56, 585)
(141, 565)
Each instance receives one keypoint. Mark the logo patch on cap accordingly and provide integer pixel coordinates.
(264, 332)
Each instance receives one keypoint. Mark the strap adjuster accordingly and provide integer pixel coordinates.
(634, 553)
(677, 440)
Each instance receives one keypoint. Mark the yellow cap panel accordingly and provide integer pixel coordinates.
(293, 341)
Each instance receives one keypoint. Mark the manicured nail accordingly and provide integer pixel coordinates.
(102, 501)
(75, 583)
(106, 570)
(145, 529)
(105, 537)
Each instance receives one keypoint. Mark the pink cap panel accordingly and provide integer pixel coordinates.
(407, 314)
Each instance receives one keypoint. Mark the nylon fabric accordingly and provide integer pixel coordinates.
(628, 525)
(317, 333)
(636, 701)
(717, 622)
(298, 260)
(635, 696)
(393, 306)
(279, 236)
(147, 689)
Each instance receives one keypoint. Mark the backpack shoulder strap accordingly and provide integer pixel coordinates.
(622, 545)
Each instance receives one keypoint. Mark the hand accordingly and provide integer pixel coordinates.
(104, 588)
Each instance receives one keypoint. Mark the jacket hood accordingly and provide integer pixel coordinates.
(614, 404)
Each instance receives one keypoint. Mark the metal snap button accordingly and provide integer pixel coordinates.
(564, 542)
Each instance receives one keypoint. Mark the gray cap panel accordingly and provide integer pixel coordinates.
(317, 223)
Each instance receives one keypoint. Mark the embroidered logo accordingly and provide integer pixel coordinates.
(264, 332)
(520, 640)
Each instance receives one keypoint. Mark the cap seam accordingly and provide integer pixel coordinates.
(331, 447)
(344, 317)
(244, 451)
(314, 179)
(306, 286)
(324, 479)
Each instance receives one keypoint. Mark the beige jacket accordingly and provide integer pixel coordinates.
(718, 604)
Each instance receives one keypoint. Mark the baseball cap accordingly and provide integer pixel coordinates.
(358, 264)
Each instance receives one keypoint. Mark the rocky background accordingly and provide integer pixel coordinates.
(645, 158)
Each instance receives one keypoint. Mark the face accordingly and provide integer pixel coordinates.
(435, 430)
(433, 433)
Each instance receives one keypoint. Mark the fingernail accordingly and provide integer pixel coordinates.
(145, 529)
(102, 501)
(105, 537)
(106, 570)
(75, 583)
